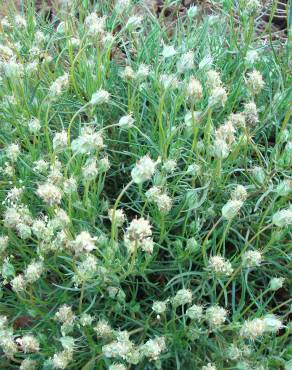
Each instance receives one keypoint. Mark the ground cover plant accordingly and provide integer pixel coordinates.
(145, 189)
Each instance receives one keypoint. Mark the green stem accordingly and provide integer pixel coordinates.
(81, 298)
(162, 228)
(47, 129)
(115, 208)
(207, 134)
(204, 253)
(247, 244)
(161, 130)
(72, 120)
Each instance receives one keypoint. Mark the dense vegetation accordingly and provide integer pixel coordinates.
(145, 190)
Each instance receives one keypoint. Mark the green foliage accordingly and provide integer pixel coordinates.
(185, 201)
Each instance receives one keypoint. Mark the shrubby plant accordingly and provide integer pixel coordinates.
(145, 190)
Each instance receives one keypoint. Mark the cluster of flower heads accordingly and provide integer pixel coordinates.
(60, 178)
(11, 345)
(160, 198)
(138, 235)
(119, 346)
(214, 315)
(123, 348)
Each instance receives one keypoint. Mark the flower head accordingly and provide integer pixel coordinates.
(251, 57)
(134, 22)
(34, 125)
(49, 193)
(182, 297)
(159, 306)
(120, 216)
(276, 283)
(168, 51)
(86, 269)
(60, 140)
(284, 188)
(28, 364)
(255, 82)
(252, 259)
(218, 97)
(126, 121)
(231, 208)
(153, 348)
(252, 329)
(100, 97)
(62, 359)
(221, 149)
(86, 319)
(28, 344)
(142, 72)
(272, 323)
(169, 166)
(70, 185)
(252, 6)
(3, 243)
(213, 79)
(33, 271)
(18, 283)
(138, 234)
(95, 25)
(88, 141)
(194, 90)
(59, 85)
(122, 347)
(143, 170)
(12, 152)
(138, 229)
(209, 366)
(251, 113)
(169, 81)
(83, 243)
(239, 193)
(65, 314)
(122, 6)
(195, 312)
(128, 73)
(216, 315)
(117, 366)
(186, 62)
(282, 218)
(220, 265)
